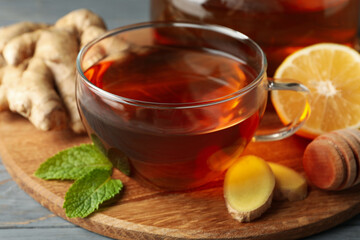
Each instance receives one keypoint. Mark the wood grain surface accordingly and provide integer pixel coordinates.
(144, 213)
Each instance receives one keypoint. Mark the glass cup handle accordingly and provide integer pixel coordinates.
(295, 124)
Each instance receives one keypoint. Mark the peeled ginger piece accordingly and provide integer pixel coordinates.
(290, 185)
(248, 188)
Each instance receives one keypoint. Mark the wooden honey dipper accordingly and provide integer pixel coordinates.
(332, 161)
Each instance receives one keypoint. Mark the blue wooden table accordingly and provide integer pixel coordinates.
(21, 217)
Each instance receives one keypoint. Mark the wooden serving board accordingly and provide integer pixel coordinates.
(143, 213)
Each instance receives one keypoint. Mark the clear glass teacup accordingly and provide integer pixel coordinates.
(180, 100)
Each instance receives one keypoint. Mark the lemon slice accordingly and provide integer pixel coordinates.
(332, 73)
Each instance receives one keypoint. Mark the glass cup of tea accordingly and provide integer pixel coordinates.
(180, 100)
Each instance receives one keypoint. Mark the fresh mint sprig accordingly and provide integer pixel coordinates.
(91, 169)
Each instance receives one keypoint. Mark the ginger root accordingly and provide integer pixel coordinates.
(9, 32)
(248, 188)
(289, 184)
(31, 88)
(80, 20)
(251, 184)
(41, 58)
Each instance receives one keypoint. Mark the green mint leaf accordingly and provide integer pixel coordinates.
(97, 142)
(88, 192)
(119, 160)
(72, 163)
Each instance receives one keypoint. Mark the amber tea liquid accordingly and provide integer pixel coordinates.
(176, 148)
(280, 27)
